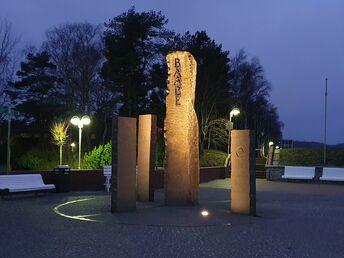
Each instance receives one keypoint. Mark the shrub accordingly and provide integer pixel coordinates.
(160, 155)
(98, 157)
(311, 157)
(42, 159)
(213, 158)
(31, 160)
(101, 156)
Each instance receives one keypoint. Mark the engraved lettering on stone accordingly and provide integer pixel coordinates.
(177, 80)
(168, 75)
(239, 152)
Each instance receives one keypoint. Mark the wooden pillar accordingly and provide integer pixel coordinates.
(146, 157)
(243, 174)
(123, 178)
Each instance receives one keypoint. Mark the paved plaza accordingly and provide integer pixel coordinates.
(293, 220)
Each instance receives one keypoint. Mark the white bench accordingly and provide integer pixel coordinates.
(332, 174)
(298, 172)
(107, 173)
(23, 183)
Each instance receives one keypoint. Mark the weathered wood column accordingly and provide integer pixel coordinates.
(243, 174)
(181, 131)
(123, 178)
(146, 157)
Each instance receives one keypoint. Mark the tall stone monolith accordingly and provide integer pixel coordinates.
(243, 172)
(123, 177)
(147, 135)
(181, 131)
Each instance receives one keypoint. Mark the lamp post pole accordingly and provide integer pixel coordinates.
(234, 112)
(230, 128)
(80, 133)
(85, 120)
(9, 141)
(325, 127)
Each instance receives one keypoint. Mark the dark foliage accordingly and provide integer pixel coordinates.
(134, 42)
(37, 94)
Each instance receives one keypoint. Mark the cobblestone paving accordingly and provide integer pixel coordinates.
(294, 220)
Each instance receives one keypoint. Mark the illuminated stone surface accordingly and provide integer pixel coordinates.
(243, 178)
(146, 157)
(181, 131)
(123, 179)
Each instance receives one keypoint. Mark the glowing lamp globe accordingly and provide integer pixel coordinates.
(85, 120)
(75, 120)
(235, 112)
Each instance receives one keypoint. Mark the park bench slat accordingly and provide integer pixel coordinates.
(332, 174)
(23, 183)
(293, 172)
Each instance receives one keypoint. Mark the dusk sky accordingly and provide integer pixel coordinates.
(299, 43)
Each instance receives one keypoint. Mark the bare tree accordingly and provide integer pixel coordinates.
(7, 57)
(248, 84)
(217, 133)
(251, 90)
(76, 49)
(7, 46)
(59, 132)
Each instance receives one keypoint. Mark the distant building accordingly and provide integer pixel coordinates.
(286, 144)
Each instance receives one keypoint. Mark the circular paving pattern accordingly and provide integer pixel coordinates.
(97, 209)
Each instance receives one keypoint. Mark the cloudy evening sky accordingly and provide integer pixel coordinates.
(299, 43)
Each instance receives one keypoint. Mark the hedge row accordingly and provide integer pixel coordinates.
(101, 156)
(311, 157)
(36, 159)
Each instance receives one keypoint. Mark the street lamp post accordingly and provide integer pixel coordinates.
(9, 140)
(234, 112)
(10, 112)
(325, 127)
(271, 153)
(85, 120)
(73, 146)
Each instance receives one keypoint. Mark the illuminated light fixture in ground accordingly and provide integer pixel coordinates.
(204, 213)
(277, 147)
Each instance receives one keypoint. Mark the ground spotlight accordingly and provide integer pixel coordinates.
(204, 213)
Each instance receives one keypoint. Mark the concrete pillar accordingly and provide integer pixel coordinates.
(123, 178)
(275, 160)
(271, 155)
(146, 157)
(243, 176)
(181, 131)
